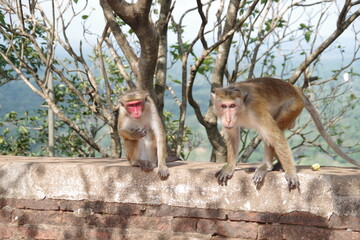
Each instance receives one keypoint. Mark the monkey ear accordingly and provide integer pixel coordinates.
(245, 97)
(212, 97)
(213, 94)
(146, 97)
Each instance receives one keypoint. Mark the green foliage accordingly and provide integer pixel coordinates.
(16, 137)
(207, 65)
(171, 129)
(22, 45)
(2, 18)
(307, 31)
(175, 50)
(279, 23)
(255, 45)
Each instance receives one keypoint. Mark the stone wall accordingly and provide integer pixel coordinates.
(73, 198)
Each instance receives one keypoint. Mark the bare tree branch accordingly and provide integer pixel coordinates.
(341, 26)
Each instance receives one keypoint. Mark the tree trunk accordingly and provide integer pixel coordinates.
(219, 147)
(136, 15)
(161, 69)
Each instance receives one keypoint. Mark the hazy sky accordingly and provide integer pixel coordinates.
(95, 23)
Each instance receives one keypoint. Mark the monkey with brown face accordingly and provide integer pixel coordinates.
(269, 106)
(142, 132)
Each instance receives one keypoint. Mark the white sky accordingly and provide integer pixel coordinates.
(96, 21)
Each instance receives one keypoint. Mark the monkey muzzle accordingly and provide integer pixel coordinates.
(135, 108)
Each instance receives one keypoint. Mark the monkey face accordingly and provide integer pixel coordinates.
(227, 110)
(228, 113)
(135, 108)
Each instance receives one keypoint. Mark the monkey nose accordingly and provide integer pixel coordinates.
(136, 115)
(227, 124)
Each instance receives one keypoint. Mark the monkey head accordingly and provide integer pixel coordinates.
(135, 108)
(227, 105)
(134, 102)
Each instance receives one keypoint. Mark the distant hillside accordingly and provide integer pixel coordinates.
(16, 96)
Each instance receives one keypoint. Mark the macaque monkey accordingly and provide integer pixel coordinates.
(142, 132)
(269, 106)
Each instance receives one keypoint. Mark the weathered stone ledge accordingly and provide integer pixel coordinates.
(191, 184)
(78, 198)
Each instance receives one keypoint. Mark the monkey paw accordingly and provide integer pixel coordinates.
(163, 172)
(146, 166)
(259, 176)
(224, 175)
(139, 133)
(293, 181)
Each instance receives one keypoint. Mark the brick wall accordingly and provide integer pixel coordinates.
(64, 219)
(34, 203)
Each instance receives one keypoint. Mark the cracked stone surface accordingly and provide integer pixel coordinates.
(330, 190)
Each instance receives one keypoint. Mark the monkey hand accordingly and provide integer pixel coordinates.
(138, 133)
(225, 174)
(163, 172)
(293, 181)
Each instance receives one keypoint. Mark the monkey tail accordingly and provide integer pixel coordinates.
(315, 116)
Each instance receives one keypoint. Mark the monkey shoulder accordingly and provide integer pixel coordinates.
(267, 83)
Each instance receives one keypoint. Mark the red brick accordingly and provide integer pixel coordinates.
(305, 233)
(303, 218)
(254, 216)
(184, 224)
(149, 223)
(341, 234)
(125, 209)
(66, 205)
(148, 235)
(97, 206)
(39, 232)
(5, 215)
(96, 233)
(105, 220)
(157, 211)
(45, 204)
(355, 236)
(3, 202)
(36, 217)
(224, 238)
(6, 231)
(197, 213)
(236, 229)
(72, 233)
(345, 222)
(270, 231)
(69, 219)
(14, 203)
(206, 226)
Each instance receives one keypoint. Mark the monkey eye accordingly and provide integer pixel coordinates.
(138, 104)
(131, 105)
(233, 105)
(223, 106)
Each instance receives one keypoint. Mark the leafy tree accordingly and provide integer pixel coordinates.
(245, 39)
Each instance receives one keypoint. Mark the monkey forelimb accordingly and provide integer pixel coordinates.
(142, 132)
(270, 106)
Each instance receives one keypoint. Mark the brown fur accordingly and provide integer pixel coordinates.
(144, 138)
(269, 106)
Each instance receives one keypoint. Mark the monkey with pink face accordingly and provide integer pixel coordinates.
(269, 106)
(142, 132)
